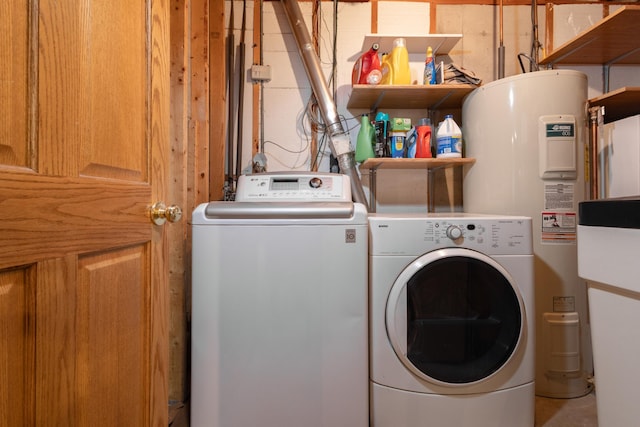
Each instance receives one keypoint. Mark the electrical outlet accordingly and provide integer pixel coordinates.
(261, 73)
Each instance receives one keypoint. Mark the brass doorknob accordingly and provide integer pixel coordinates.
(161, 213)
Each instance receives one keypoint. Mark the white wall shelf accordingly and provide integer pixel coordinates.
(425, 97)
(440, 43)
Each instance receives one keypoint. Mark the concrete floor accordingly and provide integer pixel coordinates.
(577, 412)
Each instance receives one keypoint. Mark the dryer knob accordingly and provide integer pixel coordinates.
(454, 232)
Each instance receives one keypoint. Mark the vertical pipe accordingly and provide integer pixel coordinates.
(501, 48)
(339, 142)
(593, 153)
(240, 121)
(535, 44)
(312, 67)
(231, 70)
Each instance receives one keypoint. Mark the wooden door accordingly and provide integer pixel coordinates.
(84, 101)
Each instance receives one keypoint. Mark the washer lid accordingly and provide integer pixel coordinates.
(621, 212)
(280, 210)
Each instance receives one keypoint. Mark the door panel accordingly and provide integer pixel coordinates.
(14, 78)
(115, 107)
(16, 345)
(56, 339)
(83, 154)
(113, 348)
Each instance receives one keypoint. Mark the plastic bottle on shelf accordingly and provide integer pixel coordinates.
(429, 77)
(411, 143)
(397, 142)
(423, 141)
(365, 141)
(386, 70)
(395, 66)
(367, 70)
(400, 62)
(381, 128)
(449, 139)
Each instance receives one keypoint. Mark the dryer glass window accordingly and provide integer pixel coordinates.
(464, 320)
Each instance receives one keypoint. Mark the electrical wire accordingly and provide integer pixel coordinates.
(535, 43)
(310, 120)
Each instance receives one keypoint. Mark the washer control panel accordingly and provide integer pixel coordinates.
(293, 187)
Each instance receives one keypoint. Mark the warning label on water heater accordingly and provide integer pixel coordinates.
(558, 227)
(558, 196)
(559, 217)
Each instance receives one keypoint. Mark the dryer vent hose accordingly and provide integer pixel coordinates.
(340, 144)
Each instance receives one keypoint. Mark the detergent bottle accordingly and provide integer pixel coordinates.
(423, 141)
(395, 65)
(366, 139)
(366, 70)
(411, 143)
(429, 77)
(398, 136)
(381, 127)
(400, 63)
(386, 70)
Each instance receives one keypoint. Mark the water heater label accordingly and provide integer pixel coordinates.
(565, 304)
(559, 227)
(560, 130)
(558, 196)
(557, 147)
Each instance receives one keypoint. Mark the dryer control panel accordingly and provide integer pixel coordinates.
(293, 187)
(404, 234)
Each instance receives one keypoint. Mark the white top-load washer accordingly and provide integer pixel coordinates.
(452, 327)
(279, 317)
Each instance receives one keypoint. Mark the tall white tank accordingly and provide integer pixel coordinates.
(528, 136)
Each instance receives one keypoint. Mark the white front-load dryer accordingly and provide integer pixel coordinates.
(452, 340)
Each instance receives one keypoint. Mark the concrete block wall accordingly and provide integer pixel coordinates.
(286, 126)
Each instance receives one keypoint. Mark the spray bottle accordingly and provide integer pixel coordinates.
(429, 68)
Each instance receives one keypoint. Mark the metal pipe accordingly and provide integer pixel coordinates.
(339, 141)
(241, 52)
(593, 153)
(231, 64)
(501, 47)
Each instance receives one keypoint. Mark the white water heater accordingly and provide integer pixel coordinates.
(528, 134)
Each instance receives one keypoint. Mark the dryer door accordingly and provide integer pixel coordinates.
(455, 317)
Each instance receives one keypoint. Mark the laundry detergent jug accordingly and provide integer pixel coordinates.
(367, 69)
